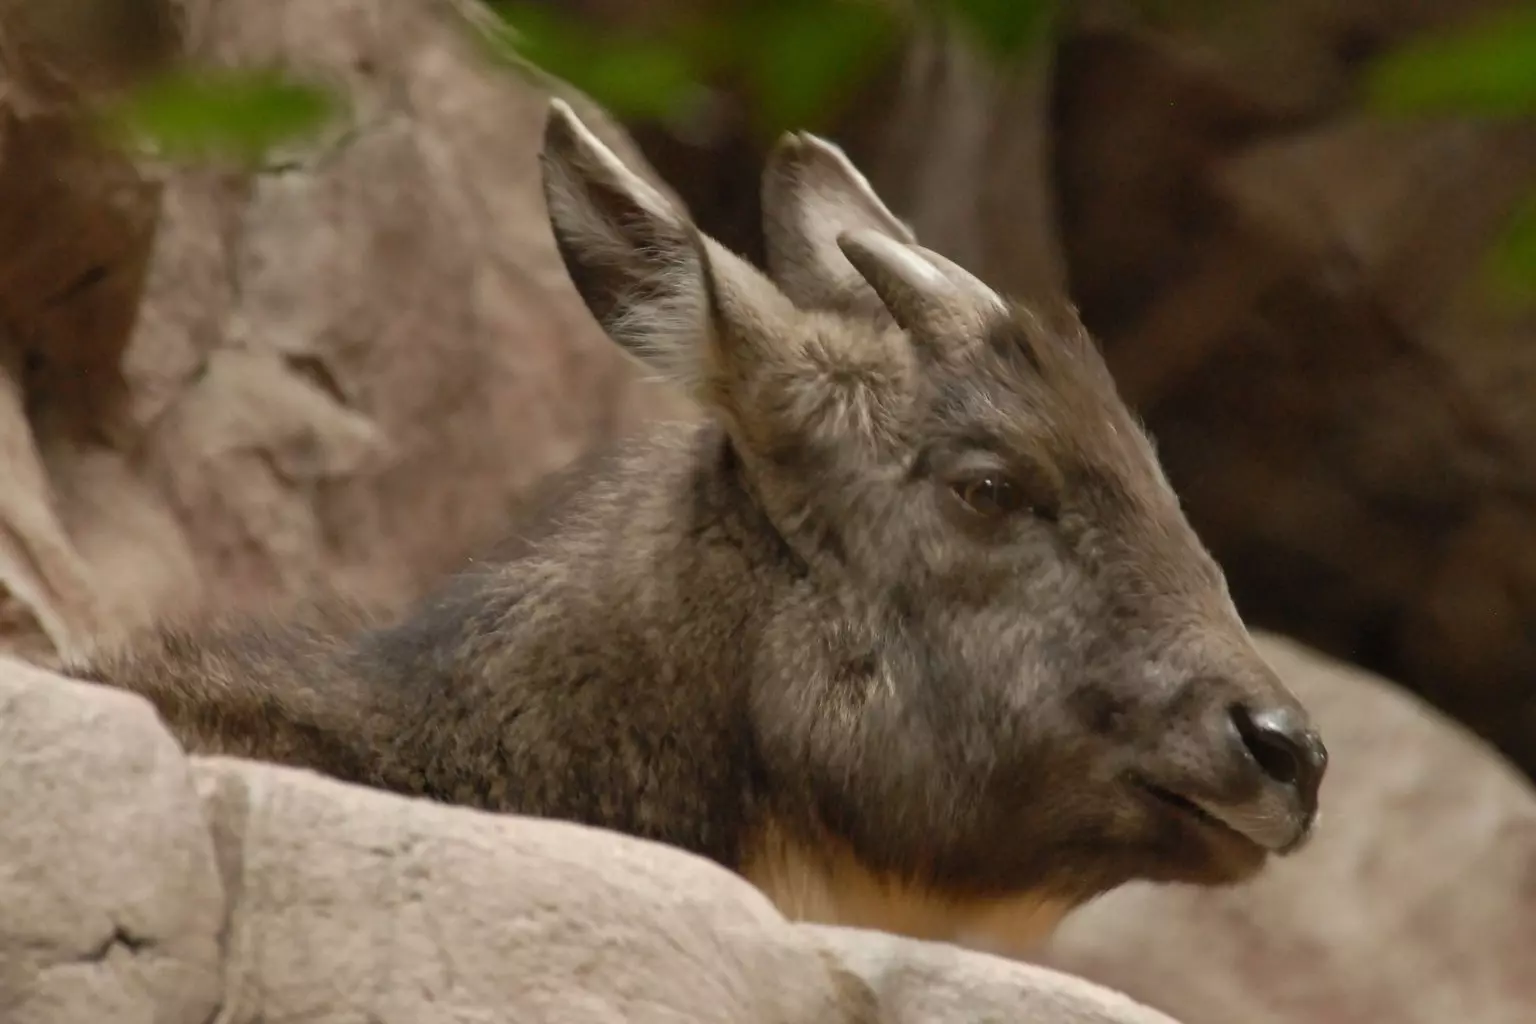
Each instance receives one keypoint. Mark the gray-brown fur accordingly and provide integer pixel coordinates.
(786, 620)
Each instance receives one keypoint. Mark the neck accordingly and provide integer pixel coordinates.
(826, 884)
(601, 676)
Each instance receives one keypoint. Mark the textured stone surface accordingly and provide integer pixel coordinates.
(342, 370)
(137, 884)
(141, 884)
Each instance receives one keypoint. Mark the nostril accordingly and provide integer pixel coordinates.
(1275, 754)
(1284, 747)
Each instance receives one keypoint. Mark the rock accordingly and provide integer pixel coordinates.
(141, 884)
(340, 371)
(144, 884)
(1416, 902)
(111, 902)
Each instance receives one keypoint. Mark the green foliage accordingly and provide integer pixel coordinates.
(793, 55)
(1485, 69)
(1007, 29)
(798, 59)
(1511, 265)
(798, 55)
(232, 114)
(630, 74)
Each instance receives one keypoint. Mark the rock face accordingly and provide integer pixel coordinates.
(341, 371)
(141, 885)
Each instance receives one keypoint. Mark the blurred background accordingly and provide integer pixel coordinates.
(280, 313)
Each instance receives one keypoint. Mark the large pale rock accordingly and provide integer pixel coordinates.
(111, 903)
(1415, 904)
(138, 885)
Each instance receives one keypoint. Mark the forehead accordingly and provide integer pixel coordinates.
(1045, 392)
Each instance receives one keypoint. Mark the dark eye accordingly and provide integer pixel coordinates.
(991, 495)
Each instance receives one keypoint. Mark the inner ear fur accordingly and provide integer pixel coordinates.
(811, 194)
(665, 292)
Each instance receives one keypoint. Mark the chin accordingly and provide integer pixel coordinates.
(1167, 846)
(1188, 846)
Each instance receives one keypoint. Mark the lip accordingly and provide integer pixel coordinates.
(1189, 810)
(1211, 820)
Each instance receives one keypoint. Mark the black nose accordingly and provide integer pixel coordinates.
(1289, 750)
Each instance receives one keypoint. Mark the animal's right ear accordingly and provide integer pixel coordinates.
(634, 258)
(666, 293)
(813, 194)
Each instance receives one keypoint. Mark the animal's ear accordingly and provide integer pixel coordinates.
(812, 193)
(661, 289)
(938, 302)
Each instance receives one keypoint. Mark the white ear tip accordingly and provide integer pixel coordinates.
(799, 152)
(563, 122)
(826, 147)
(800, 143)
(805, 149)
(568, 140)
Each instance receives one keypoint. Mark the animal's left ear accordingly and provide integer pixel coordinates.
(812, 194)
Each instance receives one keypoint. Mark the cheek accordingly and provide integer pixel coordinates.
(1024, 640)
(1020, 678)
(1064, 618)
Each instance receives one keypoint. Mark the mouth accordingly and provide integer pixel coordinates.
(1186, 808)
(1261, 831)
